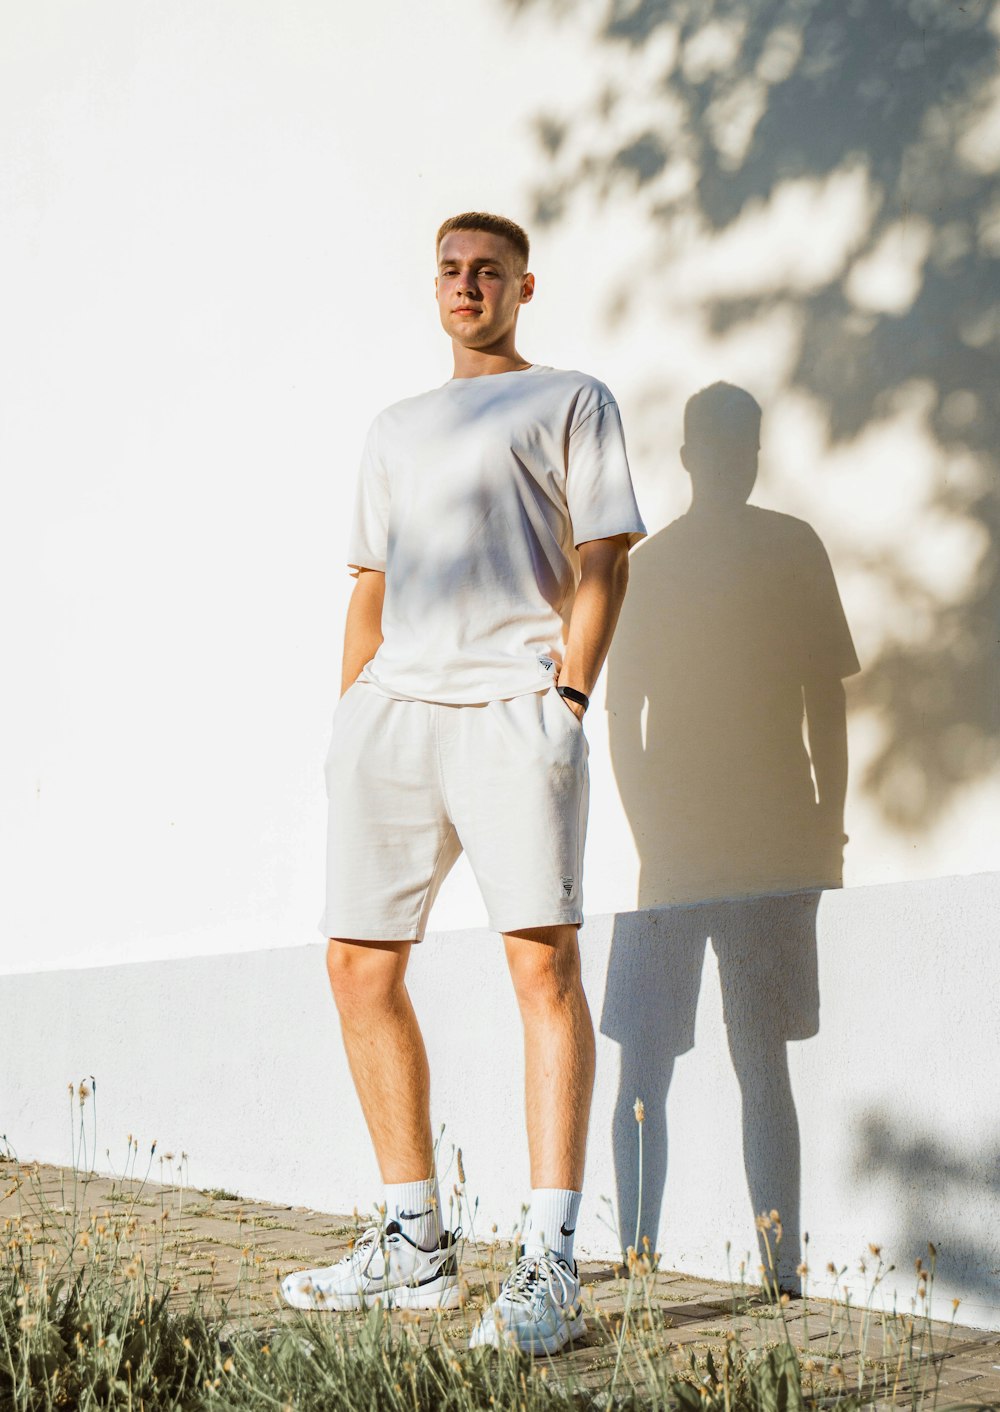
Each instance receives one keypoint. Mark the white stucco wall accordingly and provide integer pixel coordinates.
(216, 259)
(236, 1061)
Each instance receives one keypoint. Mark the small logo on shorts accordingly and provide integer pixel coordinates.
(567, 887)
(547, 663)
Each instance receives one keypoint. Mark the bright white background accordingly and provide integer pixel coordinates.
(216, 254)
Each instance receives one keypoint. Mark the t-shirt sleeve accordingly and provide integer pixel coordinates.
(599, 491)
(368, 542)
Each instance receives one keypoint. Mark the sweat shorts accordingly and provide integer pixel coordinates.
(411, 784)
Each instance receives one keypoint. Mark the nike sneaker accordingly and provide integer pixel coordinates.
(538, 1309)
(383, 1267)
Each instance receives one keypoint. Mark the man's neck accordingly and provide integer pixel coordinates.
(479, 362)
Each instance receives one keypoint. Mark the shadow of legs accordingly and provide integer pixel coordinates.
(640, 1079)
(771, 1154)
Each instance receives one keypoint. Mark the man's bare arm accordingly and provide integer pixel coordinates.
(363, 629)
(603, 580)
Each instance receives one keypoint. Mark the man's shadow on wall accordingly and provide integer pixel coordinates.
(732, 636)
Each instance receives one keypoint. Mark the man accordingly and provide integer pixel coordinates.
(490, 543)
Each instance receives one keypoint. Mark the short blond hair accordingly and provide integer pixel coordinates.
(514, 234)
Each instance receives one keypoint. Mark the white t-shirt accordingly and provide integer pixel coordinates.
(472, 499)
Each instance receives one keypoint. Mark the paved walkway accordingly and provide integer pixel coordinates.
(238, 1249)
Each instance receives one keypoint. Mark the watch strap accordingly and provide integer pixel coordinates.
(571, 694)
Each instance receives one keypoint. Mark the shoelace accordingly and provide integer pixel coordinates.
(363, 1247)
(521, 1286)
(368, 1241)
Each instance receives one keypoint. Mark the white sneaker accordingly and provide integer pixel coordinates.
(384, 1267)
(538, 1309)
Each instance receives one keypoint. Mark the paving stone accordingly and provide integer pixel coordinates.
(235, 1251)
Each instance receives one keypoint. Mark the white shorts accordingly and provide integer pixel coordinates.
(412, 783)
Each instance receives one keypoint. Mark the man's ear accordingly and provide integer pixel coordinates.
(685, 459)
(435, 286)
(527, 287)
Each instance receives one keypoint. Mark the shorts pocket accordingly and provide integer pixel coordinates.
(343, 714)
(566, 710)
(562, 724)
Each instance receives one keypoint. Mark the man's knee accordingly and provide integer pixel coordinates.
(545, 966)
(363, 974)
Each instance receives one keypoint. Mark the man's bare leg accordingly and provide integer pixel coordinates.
(538, 1307)
(558, 1052)
(406, 1258)
(385, 1051)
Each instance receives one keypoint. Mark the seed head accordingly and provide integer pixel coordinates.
(639, 1109)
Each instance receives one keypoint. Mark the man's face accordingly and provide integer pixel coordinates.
(479, 287)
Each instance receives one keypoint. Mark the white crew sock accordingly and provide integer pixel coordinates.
(551, 1222)
(415, 1205)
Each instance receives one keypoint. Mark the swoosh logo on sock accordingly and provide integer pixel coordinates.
(565, 1232)
(413, 1215)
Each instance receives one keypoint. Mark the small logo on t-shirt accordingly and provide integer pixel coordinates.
(567, 887)
(547, 664)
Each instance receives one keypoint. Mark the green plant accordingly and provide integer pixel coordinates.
(92, 1317)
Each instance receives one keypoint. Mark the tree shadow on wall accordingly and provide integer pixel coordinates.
(952, 1199)
(732, 638)
(715, 122)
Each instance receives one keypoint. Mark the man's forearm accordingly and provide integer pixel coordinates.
(603, 580)
(363, 629)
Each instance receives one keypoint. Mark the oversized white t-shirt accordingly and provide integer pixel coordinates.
(472, 499)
